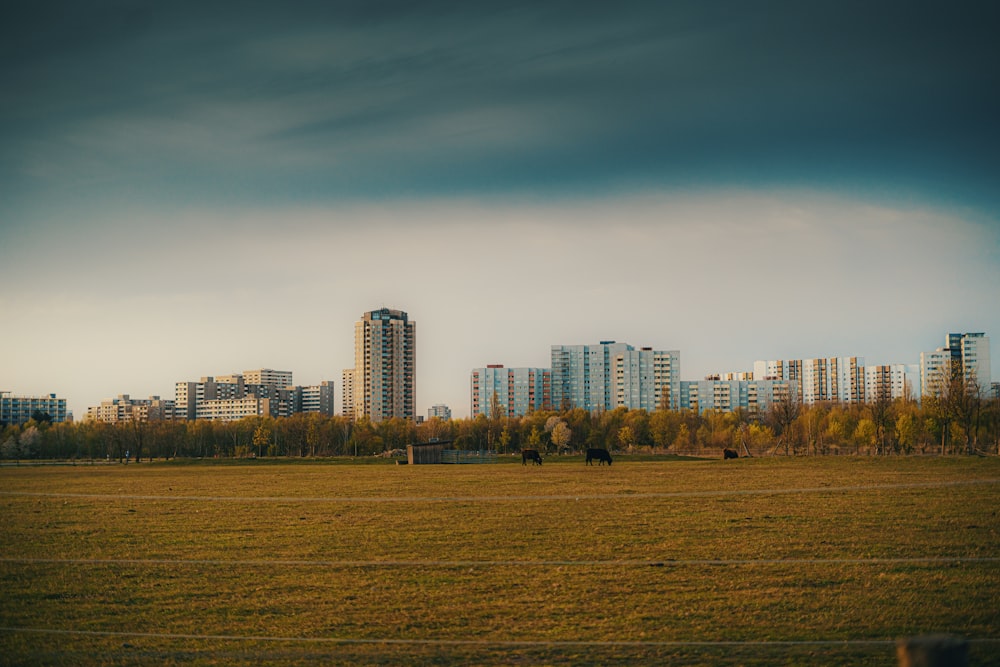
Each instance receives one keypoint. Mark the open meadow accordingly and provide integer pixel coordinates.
(819, 561)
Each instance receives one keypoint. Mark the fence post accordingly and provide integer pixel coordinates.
(933, 651)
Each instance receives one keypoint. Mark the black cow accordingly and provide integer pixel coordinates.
(730, 454)
(601, 455)
(530, 455)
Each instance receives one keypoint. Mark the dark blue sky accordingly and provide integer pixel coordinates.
(211, 102)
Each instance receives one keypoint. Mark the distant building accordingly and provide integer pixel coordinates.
(189, 396)
(382, 382)
(891, 382)
(647, 379)
(778, 370)
(611, 375)
(19, 409)
(234, 409)
(518, 391)
(439, 411)
(125, 409)
(268, 376)
(347, 392)
(263, 392)
(316, 398)
(754, 396)
(839, 379)
(964, 355)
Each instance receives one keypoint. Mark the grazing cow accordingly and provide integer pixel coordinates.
(730, 454)
(530, 455)
(601, 455)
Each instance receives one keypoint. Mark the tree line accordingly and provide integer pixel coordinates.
(961, 423)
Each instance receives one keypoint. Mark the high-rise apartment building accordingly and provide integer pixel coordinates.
(611, 375)
(892, 381)
(516, 391)
(778, 370)
(347, 393)
(382, 382)
(754, 396)
(647, 379)
(964, 355)
(839, 379)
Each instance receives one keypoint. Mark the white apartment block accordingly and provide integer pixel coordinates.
(974, 352)
(891, 382)
(966, 354)
(224, 396)
(439, 411)
(778, 370)
(268, 376)
(517, 391)
(754, 396)
(611, 375)
(233, 409)
(125, 409)
(839, 379)
(647, 379)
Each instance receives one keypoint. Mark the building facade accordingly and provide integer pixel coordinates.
(964, 355)
(754, 396)
(892, 381)
(647, 379)
(838, 379)
(19, 409)
(610, 375)
(517, 391)
(439, 411)
(263, 392)
(125, 409)
(383, 379)
(316, 398)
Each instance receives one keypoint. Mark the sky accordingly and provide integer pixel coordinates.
(192, 189)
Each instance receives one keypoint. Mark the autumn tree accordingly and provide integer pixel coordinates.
(262, 437)
(561, 436)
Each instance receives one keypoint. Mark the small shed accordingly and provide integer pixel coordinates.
(425, 452)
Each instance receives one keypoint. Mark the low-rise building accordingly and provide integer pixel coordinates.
(439, 411)
(16, 409)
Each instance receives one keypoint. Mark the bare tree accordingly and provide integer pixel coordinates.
(782, 415)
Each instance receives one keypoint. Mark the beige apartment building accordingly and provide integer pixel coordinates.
(124, 409)
(382, 383)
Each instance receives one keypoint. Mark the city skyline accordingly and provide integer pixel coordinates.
(756, 369)
(198, 188)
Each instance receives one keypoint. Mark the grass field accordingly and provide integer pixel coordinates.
(818, 561)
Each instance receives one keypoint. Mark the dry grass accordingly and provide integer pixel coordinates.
(776, 561)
